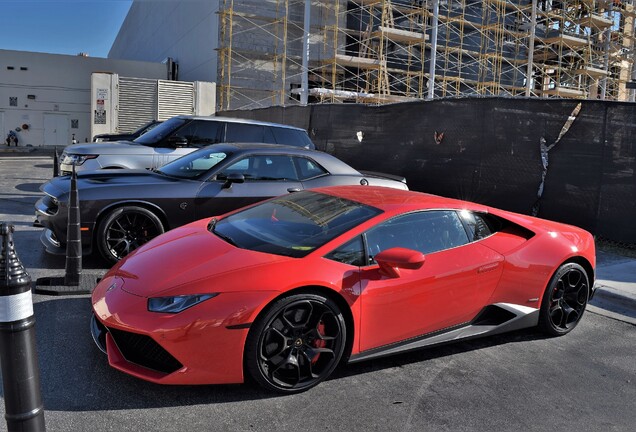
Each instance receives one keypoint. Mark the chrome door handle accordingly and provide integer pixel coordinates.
(293, 189)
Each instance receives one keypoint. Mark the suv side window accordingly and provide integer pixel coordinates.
(288, 137)
(425, 231)
(244, 132)
(200, 133)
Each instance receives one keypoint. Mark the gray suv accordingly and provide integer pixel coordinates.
(174, 138)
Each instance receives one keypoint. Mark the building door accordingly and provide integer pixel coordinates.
(56, 130)
(3, 133)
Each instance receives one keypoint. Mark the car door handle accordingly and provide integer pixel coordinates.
(293, 189)
(488, 267)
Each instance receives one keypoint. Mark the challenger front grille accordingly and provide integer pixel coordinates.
(144, 351)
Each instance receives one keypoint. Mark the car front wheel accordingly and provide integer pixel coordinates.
(124, 229)
(296, 344)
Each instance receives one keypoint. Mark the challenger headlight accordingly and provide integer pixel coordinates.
(77, 159)
(177, 304)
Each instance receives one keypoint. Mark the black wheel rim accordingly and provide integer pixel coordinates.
(300, 345)
(128, 231)
(568, 299)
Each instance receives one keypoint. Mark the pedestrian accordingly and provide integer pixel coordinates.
(12, 138)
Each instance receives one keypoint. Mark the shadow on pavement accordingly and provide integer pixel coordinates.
(29, 187)
(75, 375)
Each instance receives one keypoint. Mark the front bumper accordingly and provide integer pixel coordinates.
(54, 220)
(201, 345)
(88, 165)
(54, 246)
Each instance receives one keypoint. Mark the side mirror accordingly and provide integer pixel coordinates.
(394, 259)
(233, 178)
(177, 141)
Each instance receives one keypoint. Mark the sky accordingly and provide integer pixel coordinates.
(61, 26)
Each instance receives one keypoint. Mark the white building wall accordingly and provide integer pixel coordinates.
(185, 30)
(51, 91)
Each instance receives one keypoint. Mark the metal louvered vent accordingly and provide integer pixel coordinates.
(175, 98)
(137, 103)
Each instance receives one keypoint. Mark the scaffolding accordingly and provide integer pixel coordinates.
(380, 51)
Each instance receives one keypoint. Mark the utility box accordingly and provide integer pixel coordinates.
(123, 104)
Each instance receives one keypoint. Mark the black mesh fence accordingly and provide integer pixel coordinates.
(489, 150)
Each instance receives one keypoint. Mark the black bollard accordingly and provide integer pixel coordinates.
(56, 164)
(18, 354)
(73, 237)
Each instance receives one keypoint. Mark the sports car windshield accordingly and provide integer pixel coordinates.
(193, 164)
(158, 133)
(292, 225)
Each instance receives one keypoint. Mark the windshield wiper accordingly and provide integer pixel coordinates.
(227, 238)
(212, 224)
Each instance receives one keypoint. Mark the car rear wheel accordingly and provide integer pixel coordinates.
(296, 343)
(125, 229)
(564, 300)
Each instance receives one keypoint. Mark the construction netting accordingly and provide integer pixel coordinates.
(566, 160)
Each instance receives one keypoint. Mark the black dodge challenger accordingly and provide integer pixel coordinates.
(123, 209)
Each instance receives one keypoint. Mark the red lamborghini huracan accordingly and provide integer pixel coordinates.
(286, 289)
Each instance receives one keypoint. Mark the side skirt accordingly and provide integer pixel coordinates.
(493, 319)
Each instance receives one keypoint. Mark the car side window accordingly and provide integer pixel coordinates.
(262, 168)
(351, 253)
(200, 133)
(476, 224)
(308, 169)
(288, 137)
(426, 231)
(244, 132)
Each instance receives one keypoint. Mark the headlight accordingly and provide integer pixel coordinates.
(77, 159)
(177, 304)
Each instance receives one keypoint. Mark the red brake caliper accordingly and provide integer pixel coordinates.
(319, 343)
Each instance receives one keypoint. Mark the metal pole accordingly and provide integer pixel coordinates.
(18, 353)
(608, 36)
(304, 91)
(533, 29)
(431, 70)
(73, 236)
(56, 163)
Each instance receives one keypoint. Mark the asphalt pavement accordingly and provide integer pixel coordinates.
(516, 381)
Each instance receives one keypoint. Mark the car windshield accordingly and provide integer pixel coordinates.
(292, 225)
(147, 127)
(162, 130)
(193, 164)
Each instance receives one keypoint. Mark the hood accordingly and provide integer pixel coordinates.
(110, 177)
(108, 147)
(185, 257)
(86, 180)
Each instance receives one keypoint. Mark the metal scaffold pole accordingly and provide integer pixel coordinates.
(304, 95)
(431, 73)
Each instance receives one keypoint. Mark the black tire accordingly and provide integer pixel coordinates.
(295, 343)
(124, 229)
(564, 300)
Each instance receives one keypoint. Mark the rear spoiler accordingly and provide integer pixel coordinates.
(383, 175)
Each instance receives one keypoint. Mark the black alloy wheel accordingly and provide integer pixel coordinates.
(125, 229)
(564, 300)
(296, 344)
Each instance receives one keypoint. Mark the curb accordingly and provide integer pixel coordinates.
(613, 303)
(25, 151)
